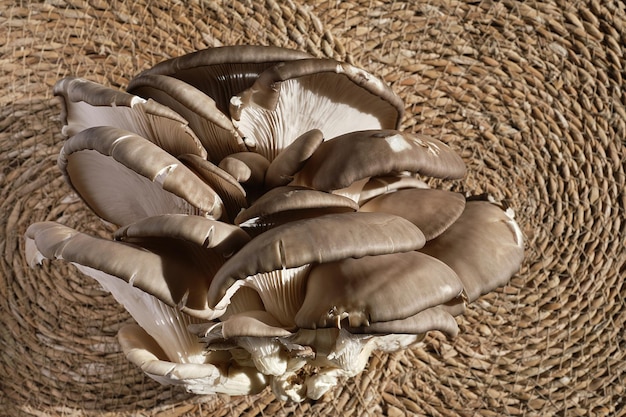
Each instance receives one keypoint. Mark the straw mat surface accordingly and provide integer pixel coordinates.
(531, 94)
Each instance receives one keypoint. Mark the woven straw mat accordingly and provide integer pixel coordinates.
(531, 94)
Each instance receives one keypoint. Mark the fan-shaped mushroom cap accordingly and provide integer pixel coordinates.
(433, 318)
(225, 71)
(321, 239)
(341, 161)
(87, 104)
(294, 97)
(169, 265)
(252, 324)
(433, 211)
(246, 167)
(284, 204)
(123, 177)
(484, 246)
(214, 128)
(374, 289)
(225, 185)
(376, 186)
(198, 378)
(292, 158)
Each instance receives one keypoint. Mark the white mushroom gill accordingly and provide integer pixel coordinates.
(276, 228)
(322, 101)
(167, 325)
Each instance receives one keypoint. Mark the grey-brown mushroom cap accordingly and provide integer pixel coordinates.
(321, 239)
(87, 104)
(375, 289)
(432, 210)
(225, 185)
(214, 129)
(484, 246)
(175, 280)
(287, 203)
(223, 238)
(433, 318)
(252, 324)
(291, 159)
(123, 177)
(224, 71)
(341, 161)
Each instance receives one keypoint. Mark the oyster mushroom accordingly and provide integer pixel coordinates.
(214, 129)
(356, 291)
(88, 104)
(484, 246)
(433, 211)
(292, 158)
(172, 258)
(123, 177)
(294, 97)
(217, 375)
(226, 71)
(343, 160)
(255, 331)
(291, 249)
(286, 204)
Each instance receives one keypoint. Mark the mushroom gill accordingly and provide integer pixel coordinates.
(275, 228)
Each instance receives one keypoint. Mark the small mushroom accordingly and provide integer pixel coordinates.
(484, 246)
(87, 104)
(248, 168)
(257, 332)
(355, 290)
(231, 192)
(214, 129)
(226, 71)
(376, 186)
(286, 204)
(123, 177)
(294, 97)
(292, 158)
(343, 160)
(216, 375)
(433, 211)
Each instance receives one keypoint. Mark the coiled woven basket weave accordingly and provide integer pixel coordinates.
(531, 94)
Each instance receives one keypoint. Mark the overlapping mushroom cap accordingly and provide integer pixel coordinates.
(275, 227)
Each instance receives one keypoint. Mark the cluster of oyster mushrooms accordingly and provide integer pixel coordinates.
(274, 228)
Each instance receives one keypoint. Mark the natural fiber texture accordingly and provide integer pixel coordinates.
(530, 94)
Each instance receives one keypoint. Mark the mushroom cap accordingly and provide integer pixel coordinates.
(225, 185)
(432, 210)
(376, 186)
(484, 246)
(284, 204)
(292, 98)
(224, 71)
(246, 167)
(214, 129)
(87, 104)
(292, 158)
(169, 265)
(343, 160)
(252, 324)
(321, 239)
(432, 318)
(199, 378)
(123, 177)
(375, 289)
